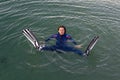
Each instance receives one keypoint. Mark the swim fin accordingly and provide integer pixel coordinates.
(31, 37)
(91, 45)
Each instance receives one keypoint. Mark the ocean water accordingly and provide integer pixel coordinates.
(84, 19)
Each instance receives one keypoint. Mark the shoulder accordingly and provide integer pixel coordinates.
(68, 36)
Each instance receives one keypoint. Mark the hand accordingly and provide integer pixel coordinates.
(78, 46)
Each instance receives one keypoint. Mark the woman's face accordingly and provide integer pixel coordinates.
(61, 31)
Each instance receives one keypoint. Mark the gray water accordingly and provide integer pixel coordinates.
(84, 19)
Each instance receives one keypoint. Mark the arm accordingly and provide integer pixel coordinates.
(70, 38)
(76, 46)
(73, 41)
(52, 36)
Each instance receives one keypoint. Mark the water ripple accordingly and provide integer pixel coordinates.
(84, 19)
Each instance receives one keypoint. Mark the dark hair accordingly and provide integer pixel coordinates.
(62, 27)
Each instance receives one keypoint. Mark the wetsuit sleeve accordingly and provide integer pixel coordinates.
(72, 40)
(52, 36)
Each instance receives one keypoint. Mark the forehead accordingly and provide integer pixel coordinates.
(61, 28)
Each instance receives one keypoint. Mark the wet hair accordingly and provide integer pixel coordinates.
(62, 27)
